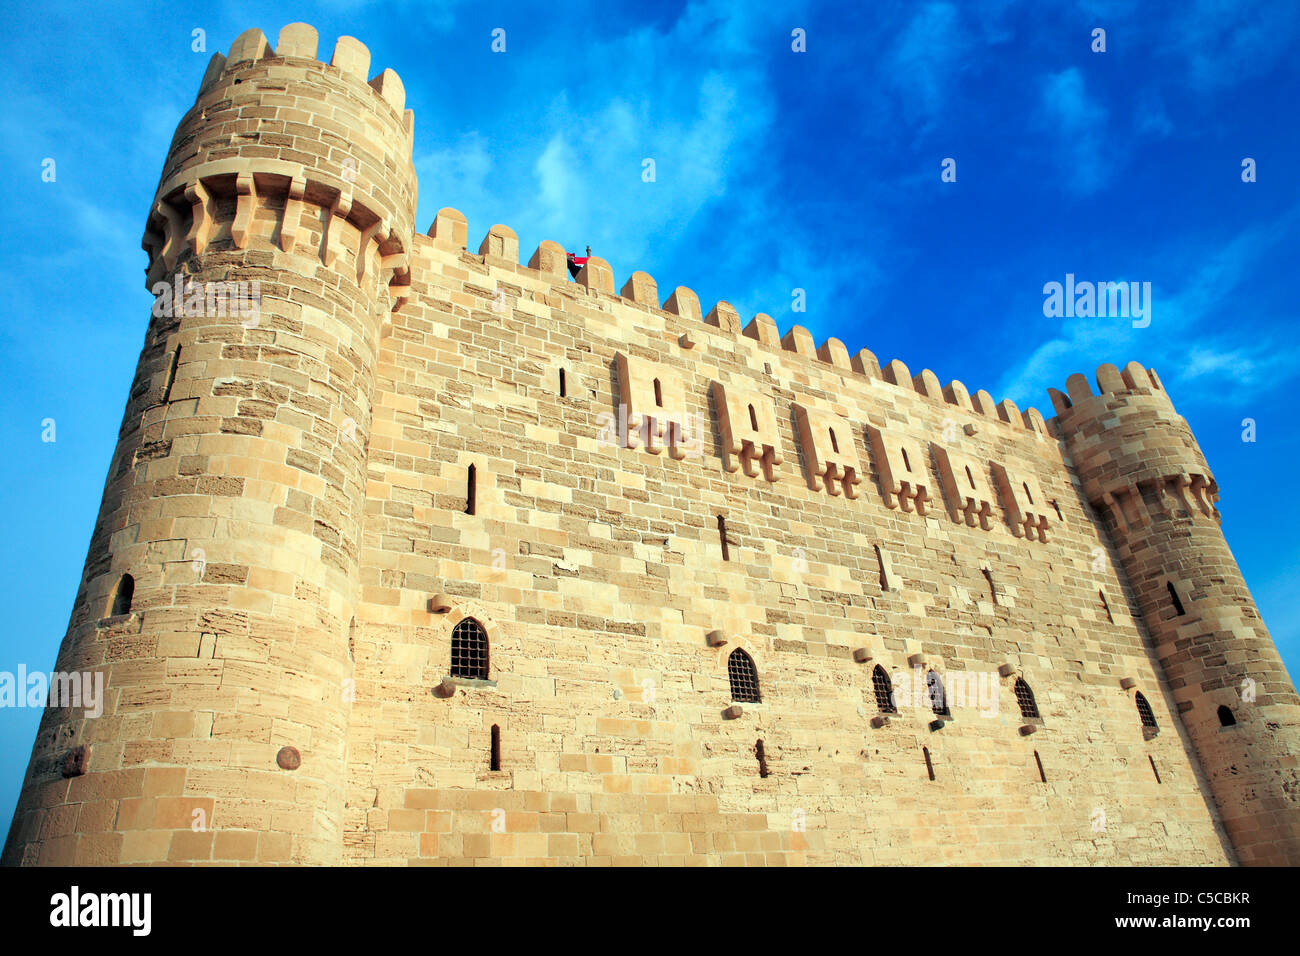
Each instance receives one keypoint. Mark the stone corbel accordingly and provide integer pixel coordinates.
(1181, 485)
(293, 207)
(1120, 523)
(246, 201)
(377, 229)
(338, 215)
(172, 237)
(201, 217)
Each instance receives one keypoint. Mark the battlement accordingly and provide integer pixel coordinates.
(299, 41)
(500, 247)
(279, 134)
(1111, 381)
(1135, 455)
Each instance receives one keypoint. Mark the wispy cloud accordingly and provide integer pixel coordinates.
(1191, 340)
(934, 46)
(1074, 124)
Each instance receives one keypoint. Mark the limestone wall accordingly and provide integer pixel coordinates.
(597, 570)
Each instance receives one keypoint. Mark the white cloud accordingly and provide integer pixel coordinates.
(568, 164)
(1076, 126)
(1192, 339)
(459, 170)
(931, 51)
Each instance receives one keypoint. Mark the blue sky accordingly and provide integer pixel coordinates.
(774, 170)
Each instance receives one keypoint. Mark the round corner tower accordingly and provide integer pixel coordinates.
(1143, 473)
(223, 570)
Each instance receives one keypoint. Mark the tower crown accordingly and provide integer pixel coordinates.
(1135, 455)
(1078, 396)
(272, 133)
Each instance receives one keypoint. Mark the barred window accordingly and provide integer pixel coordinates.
(938, 699)
(884, 691)
(744, 677)
(1025, 698)
(469, 650)
(1144, 711)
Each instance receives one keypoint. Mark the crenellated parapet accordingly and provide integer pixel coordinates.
(309, 156)
(1135, 455)
(450, 231)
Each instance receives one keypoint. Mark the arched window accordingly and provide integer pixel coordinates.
(494, 755)
(938, 699)
(122, 596)
(1226, 718)
(744, 677)
(1144, 711)
(471, 490)
(753, 418)
(469, 650)
(906, 464)
(835, 445)
(884, 691)
(1025, 698)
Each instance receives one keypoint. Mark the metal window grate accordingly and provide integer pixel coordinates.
(1144, 711)
(1025, 698)
(938, 699)
(744, 678)
(469, 650)
(884, 691)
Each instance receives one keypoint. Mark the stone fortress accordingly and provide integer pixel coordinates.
(439, 558)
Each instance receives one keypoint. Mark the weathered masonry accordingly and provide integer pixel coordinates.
(442, 558)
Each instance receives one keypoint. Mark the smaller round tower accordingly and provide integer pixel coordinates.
(1143, 473)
